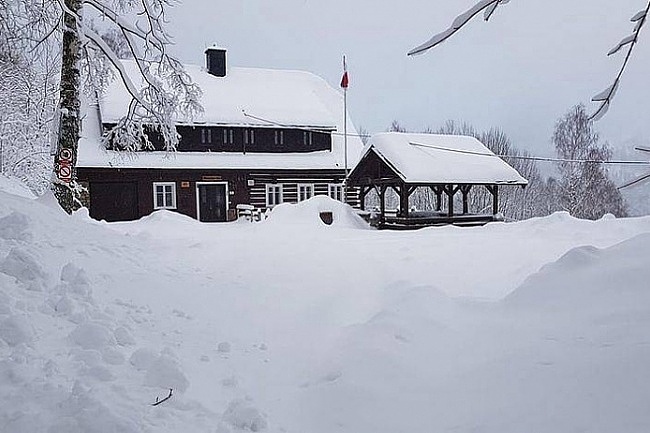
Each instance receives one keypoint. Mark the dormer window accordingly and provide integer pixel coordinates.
(307, 138)
(206, 136)
(279, 137)
(228, 136)
(249, 136)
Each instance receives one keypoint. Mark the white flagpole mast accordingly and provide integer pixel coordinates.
(345, 133)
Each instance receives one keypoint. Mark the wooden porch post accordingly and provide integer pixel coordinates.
(449, 190)
(464, 189)
(438, 192)
(362, 197)
(382, 204)
(404, 200)
(494, 190)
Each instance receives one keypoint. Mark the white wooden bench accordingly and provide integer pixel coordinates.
(246, 211)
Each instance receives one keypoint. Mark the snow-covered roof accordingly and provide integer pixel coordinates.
(292, 98)
(286, 98)
(434, 158)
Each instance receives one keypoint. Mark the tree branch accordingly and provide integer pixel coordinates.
(459, 22)
(605, 97)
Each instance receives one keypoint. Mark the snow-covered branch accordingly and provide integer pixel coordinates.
(605, 97)
(486, 6)
(168, 91)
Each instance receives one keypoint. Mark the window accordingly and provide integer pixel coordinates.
(249, 136)
(305, 191)
(228, 136)
(164, 195)
(274, 195)
(307, 138)
(206, 136)
(336, 191)
(279, 137)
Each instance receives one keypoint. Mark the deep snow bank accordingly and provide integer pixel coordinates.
(333, 329)
(587, 278)
(307, 213)
(14, 186)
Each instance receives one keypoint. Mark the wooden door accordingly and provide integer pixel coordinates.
(212, 202)
(114, 201)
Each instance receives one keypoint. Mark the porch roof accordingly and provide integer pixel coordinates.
(440, 159)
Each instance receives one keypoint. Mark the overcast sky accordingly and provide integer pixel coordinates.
(520, 71)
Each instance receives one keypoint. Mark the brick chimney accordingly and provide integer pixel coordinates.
(215, 61)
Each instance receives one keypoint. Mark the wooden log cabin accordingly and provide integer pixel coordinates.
(448, 165)
(265, 137)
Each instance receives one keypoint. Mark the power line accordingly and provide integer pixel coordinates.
(302, 128)
(534, 158)
(469, 152)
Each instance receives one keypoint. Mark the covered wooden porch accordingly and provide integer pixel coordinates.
(405, 217)
(451, 167)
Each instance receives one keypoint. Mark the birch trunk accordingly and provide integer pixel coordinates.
(64, 184)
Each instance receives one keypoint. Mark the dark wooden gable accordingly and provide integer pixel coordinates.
(372, 170)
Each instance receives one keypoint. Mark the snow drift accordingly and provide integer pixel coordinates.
(307, 213)
(535, 326)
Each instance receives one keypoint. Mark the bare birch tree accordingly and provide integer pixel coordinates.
(168, 92)
(584, 188)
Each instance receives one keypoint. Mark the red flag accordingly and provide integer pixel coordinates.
(345, 80)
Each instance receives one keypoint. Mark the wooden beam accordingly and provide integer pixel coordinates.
(412, 189)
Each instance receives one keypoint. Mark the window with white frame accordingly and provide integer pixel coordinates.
(164, 195)
(249, 136)
(307, 138)
(274, 195)
(336, 191)
(279, 137)
(206, 136)
(228, 136)
(305, 191)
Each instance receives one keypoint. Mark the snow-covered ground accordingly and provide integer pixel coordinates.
(293, 326)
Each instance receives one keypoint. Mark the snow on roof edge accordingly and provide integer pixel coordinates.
(397, 150)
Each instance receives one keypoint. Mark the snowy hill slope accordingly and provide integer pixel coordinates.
(282, 327)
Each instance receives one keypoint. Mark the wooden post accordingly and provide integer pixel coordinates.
(438, 192)
(382, 204)
(449, 190)
(465, 191)
(494, 190)
(362, 197)
(404, 200)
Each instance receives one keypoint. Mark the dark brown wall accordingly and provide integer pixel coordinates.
(240, 192)
(370, 169)
(294, 140)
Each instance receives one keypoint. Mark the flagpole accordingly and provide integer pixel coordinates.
(345, 142)
(345, 135)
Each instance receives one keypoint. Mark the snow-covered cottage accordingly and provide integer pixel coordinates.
(446, 164)
(265, 137)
